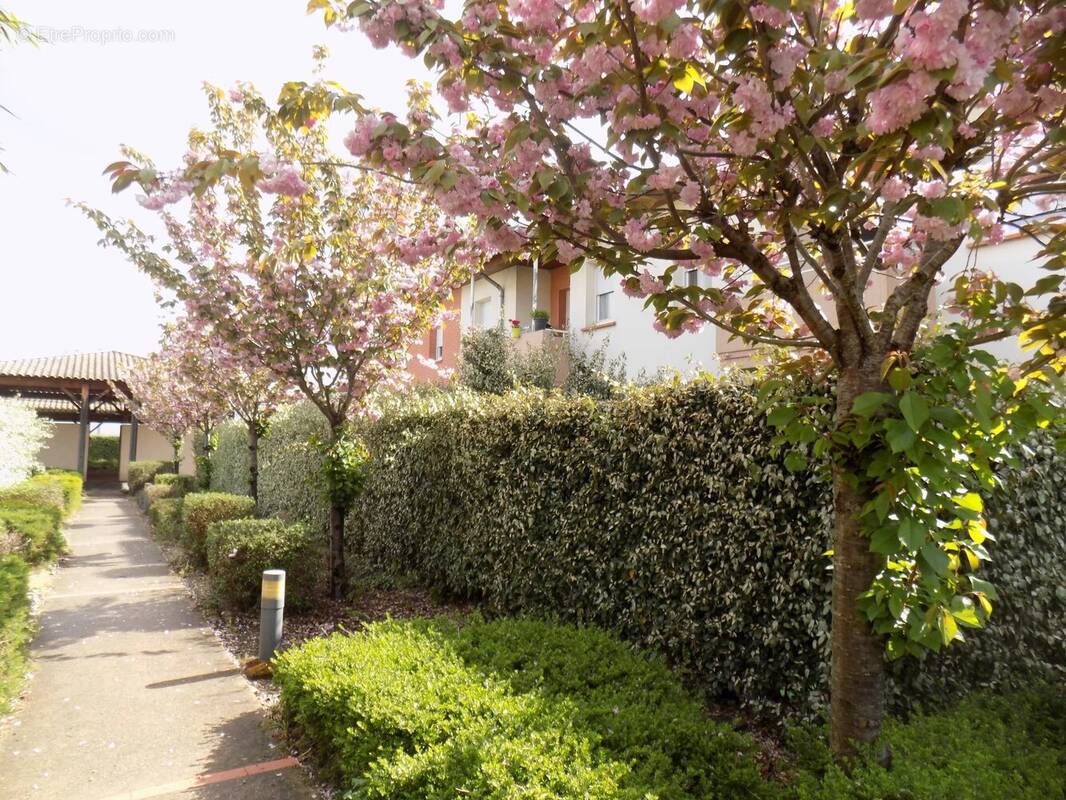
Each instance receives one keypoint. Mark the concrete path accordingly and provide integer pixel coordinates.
(132, 695)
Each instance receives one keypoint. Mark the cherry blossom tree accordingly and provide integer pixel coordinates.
(322, 276)
(245, 390)
(163, 397)
(820, 162)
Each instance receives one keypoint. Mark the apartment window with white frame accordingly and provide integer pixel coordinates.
(604, 293)
(692, 277)
(438, 343)
(483, 314)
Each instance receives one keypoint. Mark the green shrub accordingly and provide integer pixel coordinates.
(103, 452)
(230, 459)
(239, 550)
(154, 492)
(663, 516)
(1009, 747)
(164, 516)
(141, 473)
(72, 484)
(37, 530)
(35, 493)
(14, 626)
(506, 709)
(199, 510)
(181, 484)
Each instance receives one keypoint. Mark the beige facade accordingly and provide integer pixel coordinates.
(152, 446)
(61, 449)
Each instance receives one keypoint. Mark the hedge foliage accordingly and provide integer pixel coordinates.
(199, 510)
(141, 473)
(14, 625)
(664, 516)
(230, 459)
(103, 452)
(181, 484)
(1010, 747)
(32, 513)
(69, 481)
(238, 551)
(164, 516)
(513, 708)
(34, 493)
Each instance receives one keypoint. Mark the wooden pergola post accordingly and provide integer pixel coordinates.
(133, 439)
(83, 431)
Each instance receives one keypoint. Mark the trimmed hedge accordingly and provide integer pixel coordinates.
(103, 452)
(199, 510)
(1009, 747)
(181, 484)
(36, 493)
(513, 708)
(37, 531)
(14, 625)
(230, 459)
(239, 550)
(69, 481)
(154, 492)
(663, 516)
(141, 473)
(164, 517)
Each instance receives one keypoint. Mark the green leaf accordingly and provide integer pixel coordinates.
(948, 629)
(911, 533)
(914, 409)
(866, 404)
(795, 462)
(936, 558)
(984, 587)
(899, 435)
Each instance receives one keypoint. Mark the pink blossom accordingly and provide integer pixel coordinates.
(899, 104)
(286, 181)
(690, 194)
(824, 126)
(873, 9)
(894, 190)
(655, 11)
(769, 15)
(931, 189)
(640, 239)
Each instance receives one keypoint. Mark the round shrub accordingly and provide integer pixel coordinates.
(164, 516)
(140, 473)
(154, 492)
(511, 708)
(36, 529)
(238, 551)
(199, 510)
(180, 484)
(71, 483)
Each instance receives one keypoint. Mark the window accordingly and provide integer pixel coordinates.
(482, 314)
(437, 351)
(692, 277)
(564, 308)
(603, 306)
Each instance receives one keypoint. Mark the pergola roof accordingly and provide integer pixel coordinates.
(108, 366)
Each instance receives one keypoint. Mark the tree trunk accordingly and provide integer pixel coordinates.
(857, 665)
(338, 575)
(253, 460)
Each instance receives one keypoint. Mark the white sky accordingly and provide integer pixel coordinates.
(77, 100)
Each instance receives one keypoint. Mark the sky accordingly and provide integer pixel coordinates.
(129, 72)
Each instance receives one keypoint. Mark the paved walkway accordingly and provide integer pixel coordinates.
(132, 695)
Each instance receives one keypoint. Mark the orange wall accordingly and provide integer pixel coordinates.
(424, 347)
(560, 281)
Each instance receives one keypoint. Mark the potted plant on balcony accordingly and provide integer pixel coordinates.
(540, 319)
(516, 328)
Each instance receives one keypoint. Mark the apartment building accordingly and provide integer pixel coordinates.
(592, 309)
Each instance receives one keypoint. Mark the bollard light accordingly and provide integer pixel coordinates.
(271, 612)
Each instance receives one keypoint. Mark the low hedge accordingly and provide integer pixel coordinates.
(37, 530)
(199, 510)
(34, 493)
(140, 473)
(164, 517)
(69, 481)
(14, 626)
(239, 550)
(181, 484)
(155, 492)
(512, 708)
(1009, 747)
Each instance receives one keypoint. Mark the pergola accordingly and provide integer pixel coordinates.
(86, 388)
